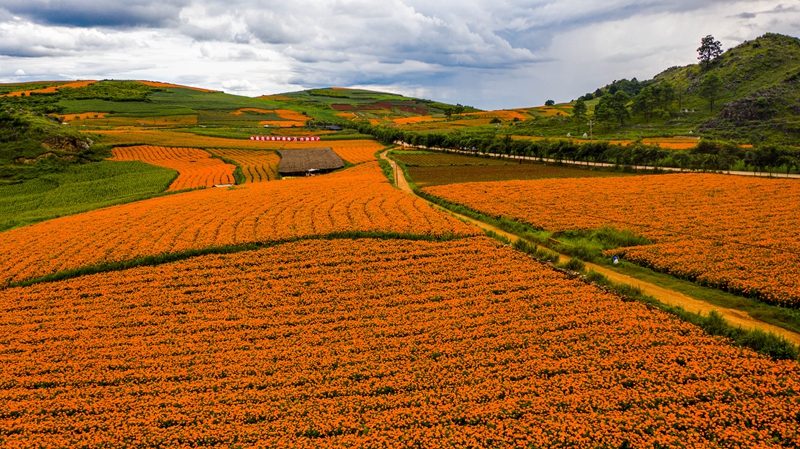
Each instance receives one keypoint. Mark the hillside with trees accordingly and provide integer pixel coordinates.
(748, 93)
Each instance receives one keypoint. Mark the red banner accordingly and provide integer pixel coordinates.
(285, 139)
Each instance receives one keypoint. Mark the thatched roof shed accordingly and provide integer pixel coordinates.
(303, 162)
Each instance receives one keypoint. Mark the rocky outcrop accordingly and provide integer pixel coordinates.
(68, 144)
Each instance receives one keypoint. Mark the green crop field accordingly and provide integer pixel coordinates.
(425, 159)
(78, 189)
(433, 176)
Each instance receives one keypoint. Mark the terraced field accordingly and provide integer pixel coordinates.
(356, 200)
(195, 167)
(354, 151)
(257, 166)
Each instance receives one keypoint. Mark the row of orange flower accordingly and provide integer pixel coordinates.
(257, 165)
(372, 343)
(732, 232)
(357, 199)
(196, 168)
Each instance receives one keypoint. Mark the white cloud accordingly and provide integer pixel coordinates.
(239, 85)
(26, 39)
(490, 54)
(19, 72)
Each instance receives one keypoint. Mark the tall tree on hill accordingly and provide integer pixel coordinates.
(613, 107)
(579, 109)
(709, 88)
(666, 93)
(709, 50)
(680, 88)
(644, 103)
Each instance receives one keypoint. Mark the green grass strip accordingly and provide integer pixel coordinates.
(160, 259)
(238, 174)
(385, 165)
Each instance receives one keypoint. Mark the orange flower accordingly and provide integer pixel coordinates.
(372, 343)
(731, 232)
(196, 168)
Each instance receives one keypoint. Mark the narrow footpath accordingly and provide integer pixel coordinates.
(666, 296)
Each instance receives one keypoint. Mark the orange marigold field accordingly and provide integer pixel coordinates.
(416, 119)
(288, 114)
(282, 123)
(257, 110)
(730, 232)
(196, 168)
(357, 199)
(84, 116)
(353, 151)
(159, 84)
(372, 343)
(256, 165)
(52, 89)
(505, 115)
(347, 115)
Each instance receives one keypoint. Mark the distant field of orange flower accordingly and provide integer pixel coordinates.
(51, 89)
(353, 151)
(257, 165)
(416, 119)
(731, 232)
(356, 199)
(549, 111)
(347, 115)
(196, 168)
(257, 110)
(159, 84)
(288, 114)
(84, 116)
(356, 151)
(505, 115)
(372, 343)
(281, 123)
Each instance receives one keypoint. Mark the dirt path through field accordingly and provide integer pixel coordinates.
(665, 295)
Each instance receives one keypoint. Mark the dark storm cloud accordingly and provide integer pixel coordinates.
(780, 9)
(102, 13)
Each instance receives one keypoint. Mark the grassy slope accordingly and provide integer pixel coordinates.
(317, 102)
(79, 188)
(22, 135)
(761, 81)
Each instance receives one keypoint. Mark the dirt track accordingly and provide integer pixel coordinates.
(667, 296)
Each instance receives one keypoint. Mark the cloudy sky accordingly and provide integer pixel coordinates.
(484, 53)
